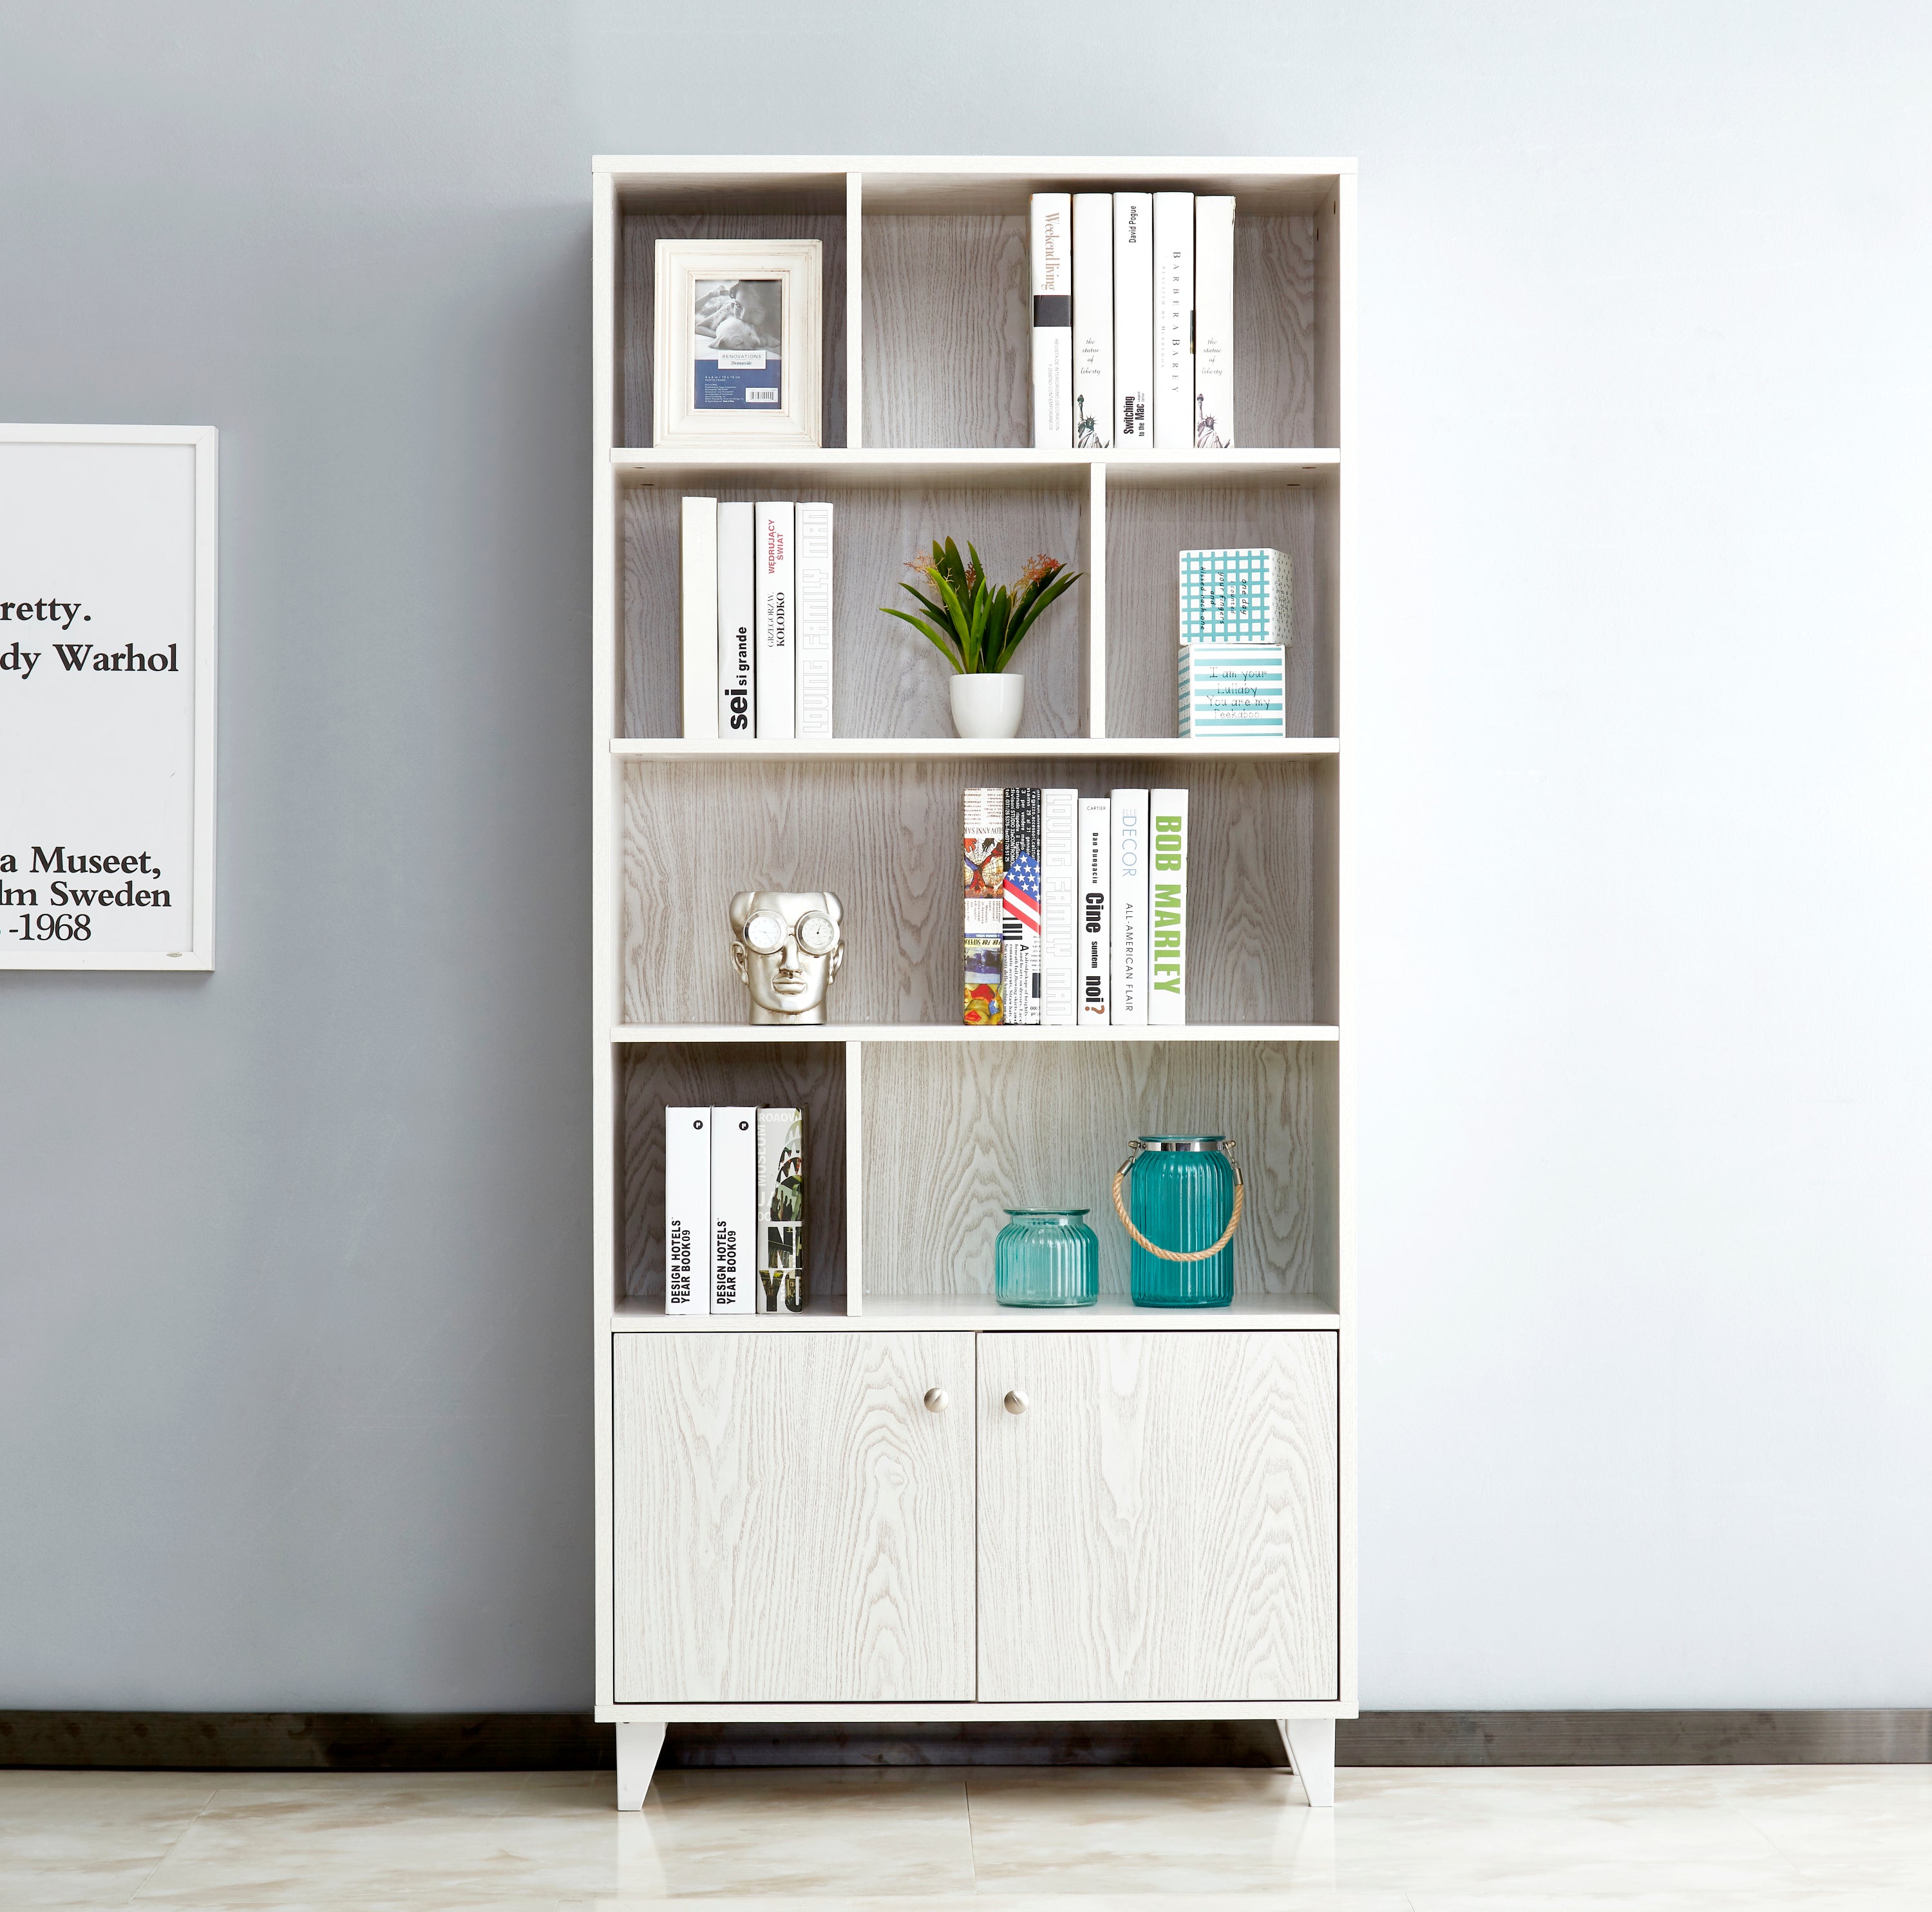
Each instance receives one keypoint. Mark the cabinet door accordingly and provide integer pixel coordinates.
(1161, 1521)
(792, 1522)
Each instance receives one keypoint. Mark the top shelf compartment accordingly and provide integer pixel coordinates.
(927, 344)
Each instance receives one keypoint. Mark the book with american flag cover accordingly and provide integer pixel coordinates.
(1019, 908)
(982, 877)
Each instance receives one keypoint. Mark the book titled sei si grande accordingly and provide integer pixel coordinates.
(737, 617)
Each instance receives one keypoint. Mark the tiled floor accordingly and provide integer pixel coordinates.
(1708, 1839)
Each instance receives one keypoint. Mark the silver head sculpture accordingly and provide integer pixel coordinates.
(787, 945)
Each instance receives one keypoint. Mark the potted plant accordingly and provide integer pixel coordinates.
(977, 629)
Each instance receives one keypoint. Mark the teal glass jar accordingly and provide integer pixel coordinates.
(1184, 1197)
(1046, 1258)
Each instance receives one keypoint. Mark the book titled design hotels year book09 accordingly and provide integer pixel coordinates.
(1052, 258)
(1167, 908)
(734, 1198)
(1093, 879)
(777, 686)
(687, 1212)
(1093, 320)
(983, 865)
(1129, 907)
(699, 571)
(812, 624)
(1173, 321)
(736, 595)
(1133, 320)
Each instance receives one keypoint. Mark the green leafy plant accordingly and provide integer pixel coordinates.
(976, 630)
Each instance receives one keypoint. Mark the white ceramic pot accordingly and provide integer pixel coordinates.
(987, 705)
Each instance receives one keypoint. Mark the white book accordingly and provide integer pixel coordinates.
(1173, 321)
(812, 539)
(1128, 901)
(1133, 320)
(777, 680)
(687, 1212)
(1059, 946)
(1093, 320)
(700, 607)
(1214, 322)
(735, 595)
(1095, 849)
(1167, 908)
(1052, 258)
(734, 1202)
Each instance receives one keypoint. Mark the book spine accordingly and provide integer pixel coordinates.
(1093, 320)
(777, 679)
(1129, 899)
(1214, 322)
(700, 617)
(812, 537)
(734, 1194)
(736, 591)
(983, 869)
(1133, 320)
(1173, 321)
(687, 1212)
(1019, 908)
(1167, 908)
(781, 1216)
(1052, 262)
(1059, 944)
(1094, 878)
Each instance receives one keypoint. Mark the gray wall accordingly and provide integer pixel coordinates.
(294, 1400)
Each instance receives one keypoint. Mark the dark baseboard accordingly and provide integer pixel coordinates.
(486, 1742)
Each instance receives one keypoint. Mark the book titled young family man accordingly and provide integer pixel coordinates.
(1167, 908)
(1129, 901)
(1051, 259)
(736, 595)
(813, 538)
(1093, 320)
(734, 1202)
(700, 610)
(687, 1212)
(1133, 320)
(1094, 878)
(777, 681)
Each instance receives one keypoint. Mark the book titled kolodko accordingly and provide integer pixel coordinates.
(1167, 908)
(1051, 257)
(687, 1212)
(781, 1216)
(1019, 908)
(982, 880)
(734, 1180)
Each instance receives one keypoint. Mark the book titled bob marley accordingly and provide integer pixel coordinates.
(781, 1210)
(982, 882)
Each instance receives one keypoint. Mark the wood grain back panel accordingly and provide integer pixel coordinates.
(637, 291)
(959, 1134)
(1148, 527)
(948, 337)
(884, 837)
(1161, 1523)
(790, 1523)
(658, 1076)
(889, 681)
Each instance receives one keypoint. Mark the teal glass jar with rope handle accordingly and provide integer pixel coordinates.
(1184, 1198)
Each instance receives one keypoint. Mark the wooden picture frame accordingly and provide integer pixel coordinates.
(736, 340)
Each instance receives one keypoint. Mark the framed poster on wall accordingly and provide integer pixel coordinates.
(107, 681)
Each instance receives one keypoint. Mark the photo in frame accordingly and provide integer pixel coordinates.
(737, 343)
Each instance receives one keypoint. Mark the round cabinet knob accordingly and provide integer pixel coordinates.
(938, 1400)
(1016, 1402)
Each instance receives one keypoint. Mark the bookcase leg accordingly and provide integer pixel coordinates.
(638, 1750)
(1311, 1752)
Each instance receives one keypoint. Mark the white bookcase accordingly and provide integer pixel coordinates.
(786, 1529)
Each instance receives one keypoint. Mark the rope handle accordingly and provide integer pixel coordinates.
(1168, 1254)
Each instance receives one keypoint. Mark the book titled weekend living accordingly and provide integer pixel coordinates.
(1167, 908)
(1051, 257)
